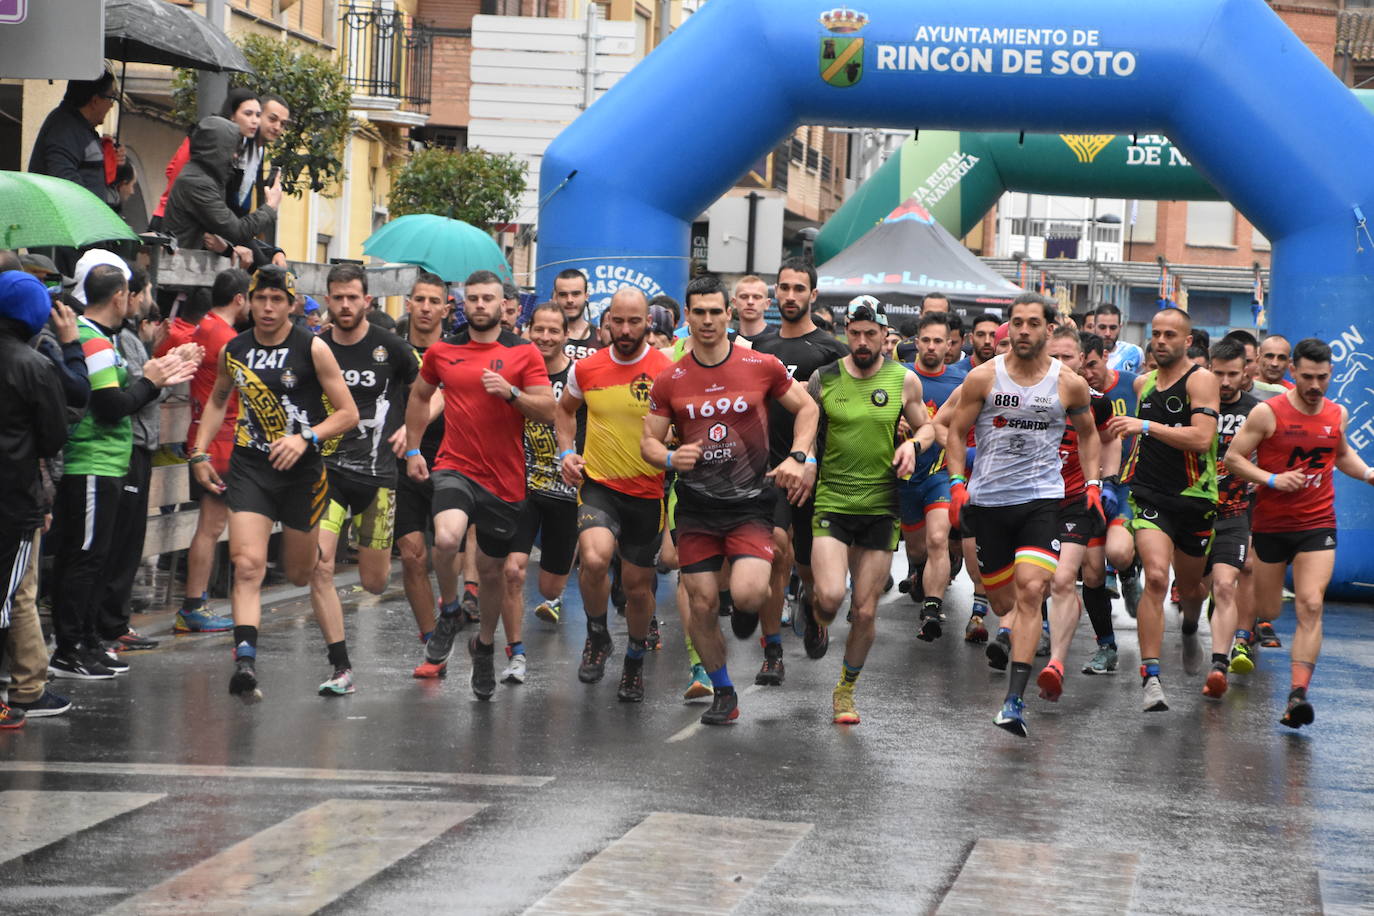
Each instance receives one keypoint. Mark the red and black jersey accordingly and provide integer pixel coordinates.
(1233, 493)
(1300, 441)
(484, 435)
(1072, 469)
(725, 408)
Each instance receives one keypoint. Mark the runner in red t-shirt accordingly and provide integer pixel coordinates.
(492, 380)
(717, 396)
(229, 306)
(1298, 440)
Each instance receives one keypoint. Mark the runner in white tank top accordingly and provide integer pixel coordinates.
(1018, 403)
(1018, 434)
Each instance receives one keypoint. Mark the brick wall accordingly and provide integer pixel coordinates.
(449, 14)
(452, 81)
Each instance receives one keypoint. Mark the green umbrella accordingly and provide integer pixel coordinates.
(38, 210)
(450, 248)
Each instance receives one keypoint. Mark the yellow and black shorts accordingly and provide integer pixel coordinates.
(296, 498)
(372, 508)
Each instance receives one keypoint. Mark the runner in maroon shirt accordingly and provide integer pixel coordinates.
(717, 396)
(1300, 439)
(492, 380)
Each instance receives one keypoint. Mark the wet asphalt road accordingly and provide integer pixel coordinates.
(1208, 808)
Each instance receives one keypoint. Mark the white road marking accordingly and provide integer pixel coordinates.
(305, 862)
(199, 771)
(34, 819)
(643, 872)
(1041, 879)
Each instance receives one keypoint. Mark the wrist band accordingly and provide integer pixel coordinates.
(668, 461)
(565, 453)
(412, 453)
(198, 458)
(958, 478)
(1145, 428)
(1270, 483)
(810, 459)
(1095, 483)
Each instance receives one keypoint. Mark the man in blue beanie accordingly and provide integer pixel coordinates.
(33, 426)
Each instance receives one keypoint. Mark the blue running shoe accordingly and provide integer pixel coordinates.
(200, 620)
(1012, 718)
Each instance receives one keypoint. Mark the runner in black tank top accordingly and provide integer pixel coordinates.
(1172, 475)
(283, 375)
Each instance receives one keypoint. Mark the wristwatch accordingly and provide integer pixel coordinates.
(514, 394)
(309, 436)
(799, 457)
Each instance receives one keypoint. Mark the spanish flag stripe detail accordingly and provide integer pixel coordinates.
(1045, 559)
(998, 578)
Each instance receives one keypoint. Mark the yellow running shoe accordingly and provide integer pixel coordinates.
(845, 713)
(1242, 662)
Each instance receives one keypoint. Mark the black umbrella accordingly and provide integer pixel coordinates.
(158, 32)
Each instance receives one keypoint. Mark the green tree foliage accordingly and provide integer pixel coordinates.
(315, 88)
(475, 186)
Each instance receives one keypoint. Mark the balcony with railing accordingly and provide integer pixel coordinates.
(389, 62)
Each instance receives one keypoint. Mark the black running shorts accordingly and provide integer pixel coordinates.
(1283, 546)
(1186, 520)
(414, 505)
(495, 518)
(867, 532)
(296, 498)
(554, 521)
(797, 519)
(635, 523)
(1230, 543)
(1008, 535)
(1078, 524)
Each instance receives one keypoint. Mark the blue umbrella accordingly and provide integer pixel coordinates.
(450, 248)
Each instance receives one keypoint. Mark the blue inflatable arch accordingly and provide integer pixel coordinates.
(1252, 108)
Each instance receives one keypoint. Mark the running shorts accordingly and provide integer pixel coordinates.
(708, 534)
(1079, 524)
(555, 523)
(920, 497)
(494, 517)
(1187, 520)
(414, 505)
(372, 508)
(636, 523)
(1230, 543)
(296, 497)
(1283, 546)
(868, 532)
(1007, 535)
(797, 520)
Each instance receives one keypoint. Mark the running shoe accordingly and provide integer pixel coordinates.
(654, 641)
(976, 631)
(11, 717)
(1130, 590)
(1268, 639)
(1113, 585)
(700, 685)
(724, 709)
(1216, 684)
(842, 702)
(132, 641)
(341, 684)
(446, 630)
(888, 587)
(908, 585)
(1103, 661)
(1192, 654)
(999, 651)
(244, 682)
(550, 611)
(1042, 649)
(75, 666)
(47, 704)
(816, 639)
(1051, 682)
(594, 655)
(1152, 696)
(726, 606)
(801, 613)
(1298, 713)
(743, 623)
(200, 620)
(483, 668)
(930, 627)
(1173, 593)
(428, 669)
(514, 672)
(471, 607)
(1012, 717)
(109, 659)
(1242, 661)
(631, 688)
(772, 672)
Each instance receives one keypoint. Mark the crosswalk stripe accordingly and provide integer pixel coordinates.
(306, 861)
(644, 871)
(695, 727)
(33, 819)
(225, 772)
(1041, 878)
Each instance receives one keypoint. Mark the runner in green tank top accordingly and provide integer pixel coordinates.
(862, 398)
